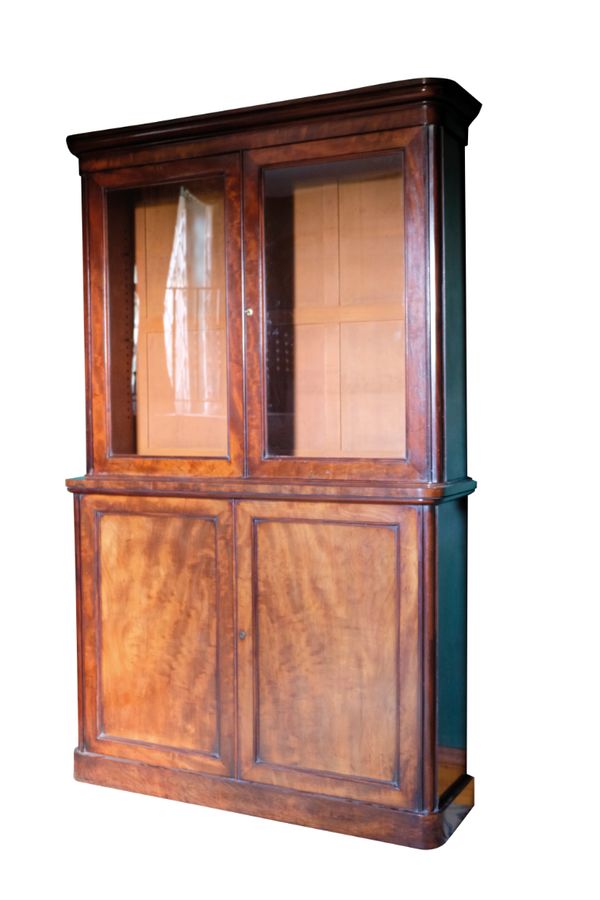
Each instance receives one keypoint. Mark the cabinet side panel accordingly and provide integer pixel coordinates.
(452, 642)
(454, 308)
(79, 624)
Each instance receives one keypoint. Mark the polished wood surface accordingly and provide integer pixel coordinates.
(453, 292)
(107, 457)
(270, 488)
(121, 325)
(328, 668)
(451, 766)
(401, 369)
(426, 371)
(368, 820)
(281, 633)
(158, 628)
(157, 620)
(415, 102)
(327, 687)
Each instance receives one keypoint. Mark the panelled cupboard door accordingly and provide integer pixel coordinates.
(335, 247)
(156, 663)
(164, 310)
(328, 649)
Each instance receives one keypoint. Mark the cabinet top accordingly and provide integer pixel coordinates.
(432, 100)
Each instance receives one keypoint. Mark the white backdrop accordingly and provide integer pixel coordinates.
(532, 204)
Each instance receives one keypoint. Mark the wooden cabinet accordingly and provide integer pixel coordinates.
(271, 533)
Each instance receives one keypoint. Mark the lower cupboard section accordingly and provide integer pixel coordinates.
(283, 654)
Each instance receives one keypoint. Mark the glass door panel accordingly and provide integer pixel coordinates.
(168, 319)
(335, 309)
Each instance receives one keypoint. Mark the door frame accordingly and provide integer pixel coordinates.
(95, 188)
(412, 142)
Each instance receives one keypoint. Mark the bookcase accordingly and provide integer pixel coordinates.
(272, 528)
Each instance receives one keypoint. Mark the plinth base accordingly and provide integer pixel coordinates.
(381, 823)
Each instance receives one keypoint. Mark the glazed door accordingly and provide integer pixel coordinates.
(328, 649)
(156, 660)
(165, 308)
(336, 307)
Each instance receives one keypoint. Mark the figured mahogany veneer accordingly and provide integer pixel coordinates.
(271, 534)
(157, 630)
(331, 702)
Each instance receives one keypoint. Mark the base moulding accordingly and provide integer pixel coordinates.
(424, 831)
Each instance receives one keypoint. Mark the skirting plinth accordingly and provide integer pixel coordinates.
(381, 823)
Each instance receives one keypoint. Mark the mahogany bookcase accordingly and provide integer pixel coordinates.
(272, 530)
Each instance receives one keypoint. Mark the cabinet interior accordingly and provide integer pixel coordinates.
(168, 320)
(335, 319)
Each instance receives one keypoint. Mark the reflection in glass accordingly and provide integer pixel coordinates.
(168, 362)
(335, 329)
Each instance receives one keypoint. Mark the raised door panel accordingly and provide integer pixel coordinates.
(328, 656)
(157, 623)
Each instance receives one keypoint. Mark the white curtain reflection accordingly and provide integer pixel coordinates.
(188, 280)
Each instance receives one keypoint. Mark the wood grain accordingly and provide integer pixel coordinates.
(451, 767)
(368, 820)
(259, 632)
(411, 493)
(328, 598)
(327, 647)
(157, 654)
(158, 630)
(419, 101)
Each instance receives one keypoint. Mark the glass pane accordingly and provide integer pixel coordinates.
(168, 325)
(335, 357)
